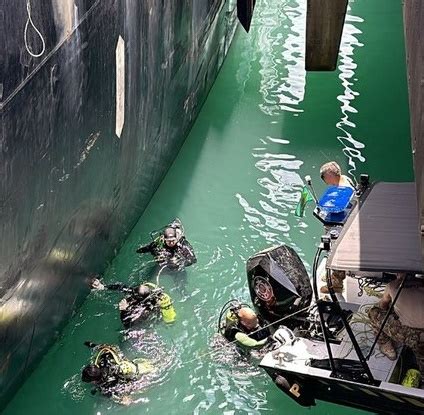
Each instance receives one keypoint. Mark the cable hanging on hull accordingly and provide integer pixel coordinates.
(30, 21)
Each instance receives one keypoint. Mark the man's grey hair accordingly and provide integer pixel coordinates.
(331, 168)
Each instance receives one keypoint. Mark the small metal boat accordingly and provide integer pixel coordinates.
(333, 355)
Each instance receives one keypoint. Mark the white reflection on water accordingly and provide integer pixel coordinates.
(351, 146)
(281, 40)
(233, 381)
(283, 73)
(281, 185)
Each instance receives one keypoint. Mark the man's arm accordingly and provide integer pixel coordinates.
(146, 248)
(247, 341)
(187, 252)
(96, 284)
(120, 287)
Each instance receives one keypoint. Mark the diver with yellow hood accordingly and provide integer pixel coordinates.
(141, 302)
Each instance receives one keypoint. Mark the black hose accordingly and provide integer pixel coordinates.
(224, 309)
(320, 312)
(227, 306)
(314, 271)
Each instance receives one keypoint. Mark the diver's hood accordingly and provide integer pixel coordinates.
(278, 282)
(175, 224)
(178, 234)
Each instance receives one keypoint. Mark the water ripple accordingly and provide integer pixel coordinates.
(351, 146)
(283, 74)
(280, 193)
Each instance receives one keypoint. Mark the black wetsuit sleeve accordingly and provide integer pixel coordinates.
(230, 333)
(120, 287)
(146, 248)
(187, 252)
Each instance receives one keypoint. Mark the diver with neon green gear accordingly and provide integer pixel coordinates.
(243, 327)
(143, 301)
(110, 368)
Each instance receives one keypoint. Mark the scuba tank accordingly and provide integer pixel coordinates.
(231, 318)
(228, 328)
(105, 350)
(228, 316)
(126, 368)
(144, 366)
(166, 308)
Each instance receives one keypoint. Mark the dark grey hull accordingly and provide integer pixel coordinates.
(91, 121)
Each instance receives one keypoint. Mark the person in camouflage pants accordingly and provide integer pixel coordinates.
(395, 331)
(405, 325)
(337, 279)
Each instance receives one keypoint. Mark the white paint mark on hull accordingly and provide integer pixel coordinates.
(120, 86)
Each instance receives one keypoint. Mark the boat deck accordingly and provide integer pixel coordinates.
(296, 357)
(380, 366)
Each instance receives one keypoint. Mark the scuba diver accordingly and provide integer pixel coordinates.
(170, 248)
(243, 326)
(248, 331)
(143, 301)
(109, 368)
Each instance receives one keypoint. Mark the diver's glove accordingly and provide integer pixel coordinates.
(97, 285)
(123, 304)
(176, 262)
(163, 257)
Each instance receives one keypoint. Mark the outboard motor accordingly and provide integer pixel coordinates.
(278, 282)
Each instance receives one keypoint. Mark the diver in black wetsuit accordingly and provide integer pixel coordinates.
(143, 300)
(109, 368)
(170, 248)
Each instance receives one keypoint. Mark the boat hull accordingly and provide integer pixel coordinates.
(387, 398)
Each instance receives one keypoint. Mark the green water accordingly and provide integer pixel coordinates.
(234, 184)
